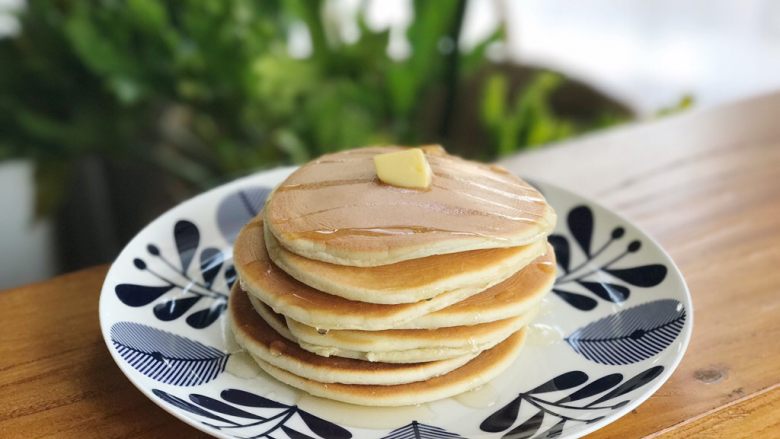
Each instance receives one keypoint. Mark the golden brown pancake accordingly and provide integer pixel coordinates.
(262, 279)
(275, 320)
(334, 209)
(408, 345)
(262, 341)
(475, 373)
(414, 346)
(514, 296)
(402, 282)
(394, 345)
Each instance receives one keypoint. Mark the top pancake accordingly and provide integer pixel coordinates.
(334, 209)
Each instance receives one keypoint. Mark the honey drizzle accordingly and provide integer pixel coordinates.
(442, 208)
(463, 167)
(494, 189)
(485, 200)
(327, 159)
(325, 235)
(323, 184)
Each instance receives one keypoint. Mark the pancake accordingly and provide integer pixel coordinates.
(276, 321)
(475, 373)
(408, 345)
(334, 209)
(394, 346)
(285, 295)
(262, 342)
(514, 296)
(401, 282)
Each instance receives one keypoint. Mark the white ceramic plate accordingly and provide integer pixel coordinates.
(613, 330)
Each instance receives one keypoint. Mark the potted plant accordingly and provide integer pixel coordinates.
(126, 107)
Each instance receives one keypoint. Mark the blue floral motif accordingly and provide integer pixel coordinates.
(632, 335)
(561, 409)
(247, 415)
(416, 430)
(238, 208)
(589, 274)
(166, 357)
(203, 290)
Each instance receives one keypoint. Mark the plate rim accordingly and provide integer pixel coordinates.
(687, 331)
(102, 302)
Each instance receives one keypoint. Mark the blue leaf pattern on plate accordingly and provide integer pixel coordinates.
(211, 262)
(416, 430)
(238, 208)
(187, 237)
(562, 409)
(631, 335)
(580, 222)
(165, 357)
(189, 407)
(140, 295)
(174, 308)
(264, 423)
(186, 273)
(590, 273)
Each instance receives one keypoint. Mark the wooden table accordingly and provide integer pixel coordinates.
(706, 184)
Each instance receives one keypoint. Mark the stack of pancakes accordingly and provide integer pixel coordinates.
(366, 293)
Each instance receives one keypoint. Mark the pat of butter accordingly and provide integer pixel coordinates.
(407, 168)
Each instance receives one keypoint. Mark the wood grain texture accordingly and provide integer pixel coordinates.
(755, 416)
(57, 378)
(705, 184)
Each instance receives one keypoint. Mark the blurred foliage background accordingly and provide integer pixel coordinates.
(127, 106)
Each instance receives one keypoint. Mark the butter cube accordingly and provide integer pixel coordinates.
(407, 168)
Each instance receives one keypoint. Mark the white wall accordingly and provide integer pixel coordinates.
(26, 245)
(649, 53)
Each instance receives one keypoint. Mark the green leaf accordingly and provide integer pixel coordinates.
(104, 53)
(684, 103)
(493, 106)
(310, 11)
(148, 14)
(292, 145)
(530, 121)
(409, 78)
(475, 58)
(283, 82)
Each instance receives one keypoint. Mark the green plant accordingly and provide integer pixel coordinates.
(207, 89)
(528, 120)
